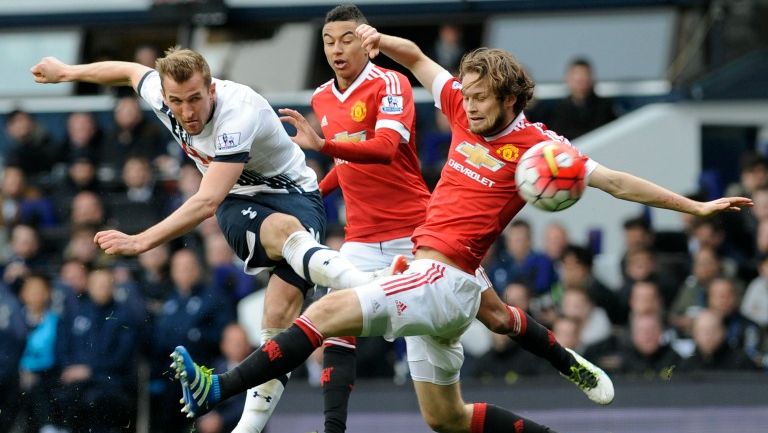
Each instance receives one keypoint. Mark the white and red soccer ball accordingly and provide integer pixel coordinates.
(551, 176)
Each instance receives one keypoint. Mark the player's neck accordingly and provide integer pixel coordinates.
(342, 84)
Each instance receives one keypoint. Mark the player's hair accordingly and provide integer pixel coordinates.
(180, 64)
(345, 12)
(503, 74)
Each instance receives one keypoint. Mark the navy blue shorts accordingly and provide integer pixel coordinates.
(240, 218)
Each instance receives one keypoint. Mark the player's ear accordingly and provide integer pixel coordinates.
(212, 88)
(509, 102)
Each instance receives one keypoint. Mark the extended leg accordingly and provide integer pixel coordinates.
(336, 314)
(535, 338)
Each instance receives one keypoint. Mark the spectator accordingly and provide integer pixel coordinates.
(140, 204)
(71, 288)
(567, 331)
(740, 332)
(712, 351)
(449, 47)
(692, 297)
(754, 306)
(146, 55)
(582, 110)
(82, 248)
(83, 139)
(153, 278)
(753, 175)
(131, 136)
(555, 241)
(648, 354)
(25, 257)
(226, 277)
(433, 148)
(638, 235)
(193, 316)
(87, 210)
(234, 348)
(519, 262)
(188, 184)
(38, 362)
(741, 228)
(31, 148)
(642, 265)
(81, 176)
(97, 390)
(12, 336)
(593, 321)
(506, 359)
(576, 273)
(645, 299)
(709, 233)
(23, 203)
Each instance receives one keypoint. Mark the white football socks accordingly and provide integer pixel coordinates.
(326, 267)
(261, 400)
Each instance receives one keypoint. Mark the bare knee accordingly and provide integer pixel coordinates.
(336, 314)
(275, 230)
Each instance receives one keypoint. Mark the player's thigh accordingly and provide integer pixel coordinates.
(434, 360)
(442, 407)
(241, 219)
(430, 298)
(337, 314)
(370, 256)
(282, 303)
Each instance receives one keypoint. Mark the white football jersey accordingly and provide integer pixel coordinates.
(243, 128)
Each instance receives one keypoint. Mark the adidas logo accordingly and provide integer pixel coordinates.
(324, 122)
(400, 306)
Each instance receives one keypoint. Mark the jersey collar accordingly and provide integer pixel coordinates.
(514, 125)
(355, 84)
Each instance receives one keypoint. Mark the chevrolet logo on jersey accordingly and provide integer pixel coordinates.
(346, 137)
(478, 156)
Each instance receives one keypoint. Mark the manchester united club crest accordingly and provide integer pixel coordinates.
(508, 152)
(358, 111)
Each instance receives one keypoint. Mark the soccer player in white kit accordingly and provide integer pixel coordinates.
(255, 180)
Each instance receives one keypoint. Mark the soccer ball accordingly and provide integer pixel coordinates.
(550, 176)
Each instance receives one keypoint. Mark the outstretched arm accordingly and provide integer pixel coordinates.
(216, 184)
(53, 70)
(378, 150)
(632, 188)
(402, 51)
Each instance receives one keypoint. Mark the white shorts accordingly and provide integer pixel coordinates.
(432, 302)
(371, 256)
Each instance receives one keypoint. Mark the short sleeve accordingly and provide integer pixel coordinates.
(446, 91)
(396, 108)
(150, 90)
(238, 130)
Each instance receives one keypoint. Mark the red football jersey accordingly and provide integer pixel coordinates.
(476, 196)
(383, 201)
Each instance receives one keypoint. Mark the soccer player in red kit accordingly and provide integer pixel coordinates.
(367, 116)
(436, 299)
